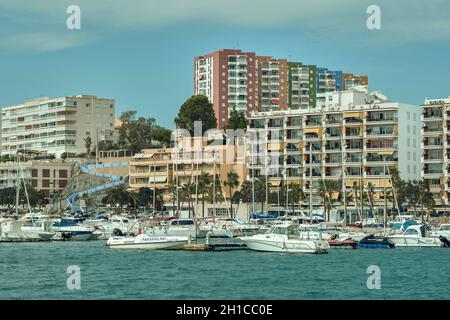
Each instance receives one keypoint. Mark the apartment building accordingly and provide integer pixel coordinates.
(435, 144)
(271, 84)
(327, 81)
(161, 168)
(58, 125)
(351, 81)
(48, 176)
(357, 136)
(227, 78)
(302, 84)
(247, 82)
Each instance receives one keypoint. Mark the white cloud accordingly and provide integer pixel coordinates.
(45, 41)
(414, 21)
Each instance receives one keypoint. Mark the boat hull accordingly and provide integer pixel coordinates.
(147, 243)
(73, 235)
(302, 246)
(415, 242)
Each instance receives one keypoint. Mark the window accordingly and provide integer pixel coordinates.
(63, 173)
(408, 115)
(412, 232)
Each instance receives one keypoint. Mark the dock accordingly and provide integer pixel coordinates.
(214, 247)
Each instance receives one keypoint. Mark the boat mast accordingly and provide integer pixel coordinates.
(310, 178)
(176, 173)
(214, 184)
(344, 186)
(17, 186)
(385, 199)
(362, 193)
(393, 190)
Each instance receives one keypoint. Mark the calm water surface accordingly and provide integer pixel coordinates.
(38, 271)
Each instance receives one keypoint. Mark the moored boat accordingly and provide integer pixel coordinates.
(69, 230)
(146, 242)
(373, 241)
(284, 238)
(415, 236)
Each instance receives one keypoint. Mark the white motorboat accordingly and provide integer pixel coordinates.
(69, 230)
(174, 227)
(312, 231)
(354, 235)
(39, 227)
(415, 236)
(144, 241)
(284, 238)
(443, 230)
(11, 231)
(116, 225)
(215, 229)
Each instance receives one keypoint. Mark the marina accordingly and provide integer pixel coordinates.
(38, 271)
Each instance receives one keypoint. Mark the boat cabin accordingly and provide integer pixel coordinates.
(291, 231)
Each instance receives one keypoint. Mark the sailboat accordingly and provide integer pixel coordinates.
(24, 230)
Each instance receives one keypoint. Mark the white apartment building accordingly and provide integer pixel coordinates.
(58, 125)
(435, 145)
(358, 136)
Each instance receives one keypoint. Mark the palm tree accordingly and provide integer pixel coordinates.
(218, 191)
(296, 194)
(260, 190)
(371, 195)
(425, 197)
(134, 198)
(187, 190)
(412, 194)
(204, 182)
(173, 190)
(246, 192)
(88, 145)
(231, 182)
(326, 190)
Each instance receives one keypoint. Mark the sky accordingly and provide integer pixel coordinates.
(140, 52)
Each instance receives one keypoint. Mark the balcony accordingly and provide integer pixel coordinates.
(380, 159)
(381, 117)
(353, 133)
(381, 145)
(353, 121)
(297, 123)
(314, 148)
(431, 114)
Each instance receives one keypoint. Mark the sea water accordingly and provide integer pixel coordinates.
(39, 271)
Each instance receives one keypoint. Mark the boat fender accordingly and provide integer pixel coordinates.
(117, 233)
(445, 241)
(66, 235)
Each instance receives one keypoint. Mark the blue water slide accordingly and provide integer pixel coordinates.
(116, 181)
